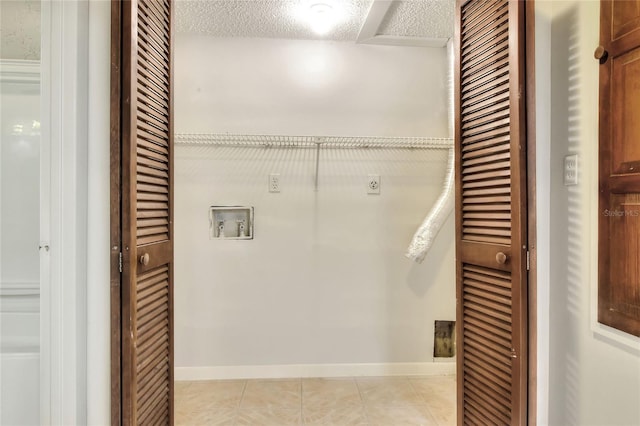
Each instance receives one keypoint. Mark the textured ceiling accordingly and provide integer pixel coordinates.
(262, 18)
(419, 18)
(20, 29)
(278, 19)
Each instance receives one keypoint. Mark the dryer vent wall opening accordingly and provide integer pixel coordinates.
(444, 339)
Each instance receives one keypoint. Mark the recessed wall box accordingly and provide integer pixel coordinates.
(230, 223)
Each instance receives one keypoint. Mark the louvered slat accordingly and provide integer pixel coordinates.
(485, 124)
(152, 354)
(488, 18)
(487, 38)
(153, 26)
(152, 154)
(152, 366)
(490, 136)
(151, 83)
(153, 397)
(146, 137)
(152, 206)
(155, 22)
(150, 57)
(151, 98)
(151, 179)
(475, 13)
(489, 379)
(484, 151)
(155, 115)
(490, 67)
(490, 382)
(154, 61)
(151, 130)
(147, 77)
(482, 92)
(143, 150)
(159, 12)
(153, 120)
(490, 116)
(479, 68)
(154, 337)
(488, 353)
(152, 214)
(487, 336)
(494, 405)
(157, 402)
(152, 360)
(493, 112)
(158, 145)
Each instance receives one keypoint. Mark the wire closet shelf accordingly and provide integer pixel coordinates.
(316, 142)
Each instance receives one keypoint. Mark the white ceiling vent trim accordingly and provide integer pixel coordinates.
(369, 31)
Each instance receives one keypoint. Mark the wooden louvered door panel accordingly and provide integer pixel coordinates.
(491, 213)
(146, 212)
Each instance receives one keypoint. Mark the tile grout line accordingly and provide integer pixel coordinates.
(301, 418)
(414, 386)
(237, 413)
(362, 403)
(426, 402)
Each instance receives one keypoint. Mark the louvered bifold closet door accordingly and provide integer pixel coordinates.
(147, 211)
(491, 213)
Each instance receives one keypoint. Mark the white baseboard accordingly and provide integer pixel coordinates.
(315, 370)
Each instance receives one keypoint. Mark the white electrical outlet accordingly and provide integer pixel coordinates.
(274, 182)
(571, 169)
(373, 184)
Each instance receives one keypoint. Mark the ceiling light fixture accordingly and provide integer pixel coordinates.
(321, 15)
(321, 18)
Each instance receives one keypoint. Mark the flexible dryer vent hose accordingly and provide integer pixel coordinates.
(427, 232)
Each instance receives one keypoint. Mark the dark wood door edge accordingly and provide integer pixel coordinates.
(115, 212)
(530, 91)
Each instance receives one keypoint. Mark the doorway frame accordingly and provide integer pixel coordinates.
(532, 228)
(64, 200)
(530, 34)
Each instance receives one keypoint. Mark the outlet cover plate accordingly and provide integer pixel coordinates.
(274, 182)
(373, 184)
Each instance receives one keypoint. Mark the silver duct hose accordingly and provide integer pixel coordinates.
(427, 232)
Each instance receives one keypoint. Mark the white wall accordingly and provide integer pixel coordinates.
(98, 286)
(324, 280)
(19, 236)
(302, 87)
(543, 17)
(20, 190)
(63, 316)
(594, 375)
(20, 213)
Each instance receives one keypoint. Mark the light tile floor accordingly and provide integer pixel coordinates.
(388, 401)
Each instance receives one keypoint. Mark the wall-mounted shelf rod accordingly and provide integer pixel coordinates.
(312, 142)
(315, 142)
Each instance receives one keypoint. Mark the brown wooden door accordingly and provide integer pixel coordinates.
(142, 197)
(619, 223)
(491, 243)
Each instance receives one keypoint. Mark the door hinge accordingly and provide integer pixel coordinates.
(120, 261)
(528, 260)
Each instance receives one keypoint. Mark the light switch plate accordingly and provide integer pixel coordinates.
(571, 170)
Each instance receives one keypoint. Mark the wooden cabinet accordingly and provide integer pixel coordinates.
(619, 159)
